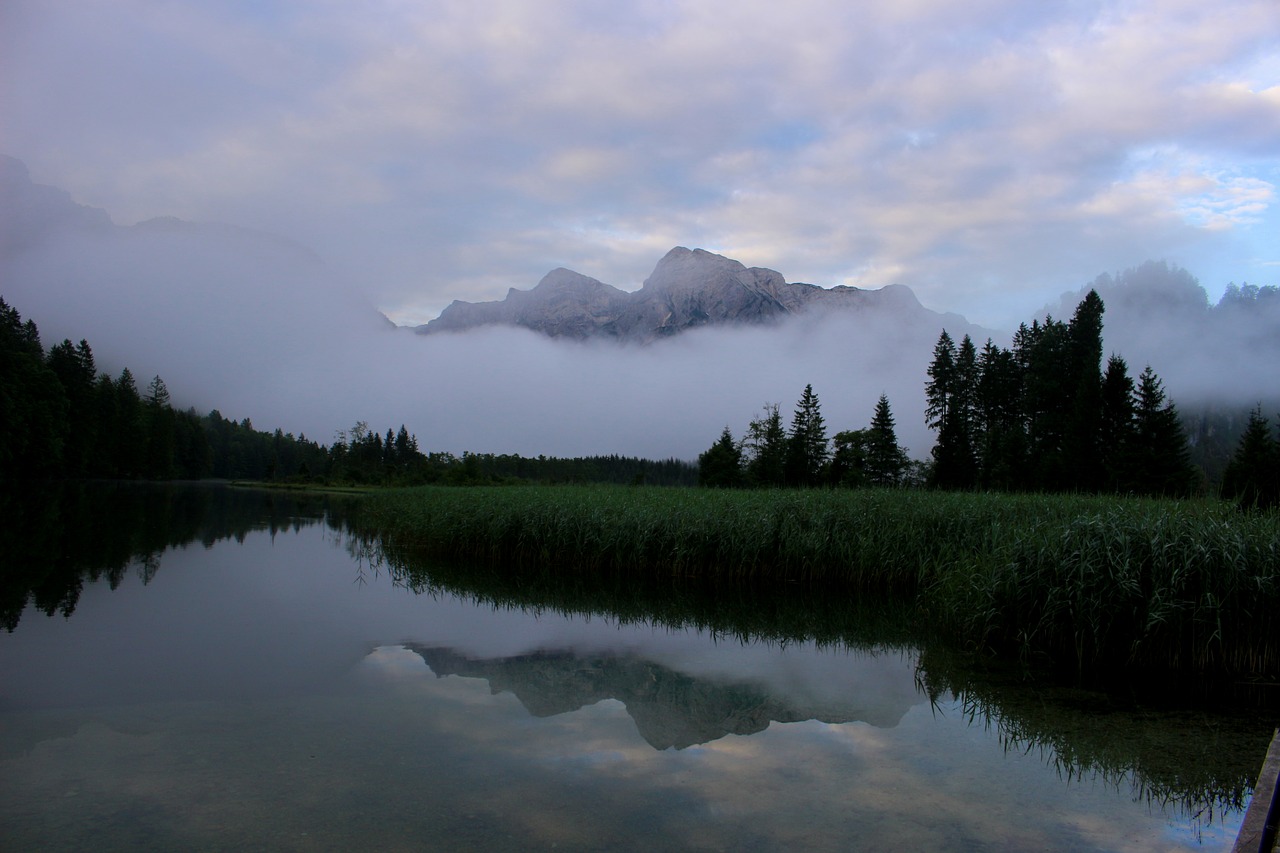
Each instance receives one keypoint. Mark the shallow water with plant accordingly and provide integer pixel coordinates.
(229, 669)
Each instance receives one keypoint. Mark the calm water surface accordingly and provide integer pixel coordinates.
(264, 686)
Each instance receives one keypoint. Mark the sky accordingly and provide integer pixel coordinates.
(990, 155)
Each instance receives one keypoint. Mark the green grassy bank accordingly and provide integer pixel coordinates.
(1082, 581)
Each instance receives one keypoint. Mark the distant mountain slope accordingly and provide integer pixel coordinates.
(688, 288)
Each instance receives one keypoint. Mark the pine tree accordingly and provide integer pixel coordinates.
(1046, 390)
(720, 466)
(1002, 452)
(1116, 433)
(129, 450)
(75, 369)
(33, 404)
(1082, 428)
(1252, 478)
(942, 380)
(766, 448)
(807, 450)
(951, 407)
(1160, 457)
(885, 460)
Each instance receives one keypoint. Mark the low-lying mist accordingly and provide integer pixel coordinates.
(261, 331)
(259, 328)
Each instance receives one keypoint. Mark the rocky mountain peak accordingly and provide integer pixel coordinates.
(687, 289)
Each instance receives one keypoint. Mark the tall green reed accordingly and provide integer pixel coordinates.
(1083, 581)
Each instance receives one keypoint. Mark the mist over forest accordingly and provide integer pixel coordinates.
(260, 327)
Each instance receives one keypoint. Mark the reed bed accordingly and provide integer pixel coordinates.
(1082, 581)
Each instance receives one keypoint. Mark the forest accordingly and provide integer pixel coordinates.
(60, 417)
(1041, 416)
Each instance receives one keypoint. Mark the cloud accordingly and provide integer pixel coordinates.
(987, 156)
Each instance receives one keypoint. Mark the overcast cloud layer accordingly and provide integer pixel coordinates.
(990, 155)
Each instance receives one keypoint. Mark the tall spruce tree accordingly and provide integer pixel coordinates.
(1159, 458)
(1002, 452)
(720, 466)
(33, 405)
(951, 401)
(885, 460)
(807, 450)
(1082, 430)
(766, 448)
(1046, 389)
(160, 426)
(1252, 477)
(76, 371)
(1116, 433)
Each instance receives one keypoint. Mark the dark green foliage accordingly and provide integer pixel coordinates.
(807, 451)
(1086, 582)
(765, 447)
(1044, 417)
(1160, 459)
(33, 404)
(1116, 434)
(886, 461)
(1082, 433)
(76, 371)
(1252, 478)
(720, 466)
(849, 458)
(1002, 450)
(953, 410)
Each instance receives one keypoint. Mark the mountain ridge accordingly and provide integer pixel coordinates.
(688, 289)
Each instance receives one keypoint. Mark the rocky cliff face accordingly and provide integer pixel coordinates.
(687, 289)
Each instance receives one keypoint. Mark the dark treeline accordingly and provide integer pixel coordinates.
(1041, 416)
(62, 418)
(1046, 416)
(770, 455)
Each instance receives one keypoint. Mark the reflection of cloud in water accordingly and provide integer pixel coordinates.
(417, 762)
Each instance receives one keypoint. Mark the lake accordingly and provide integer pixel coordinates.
(229, 669)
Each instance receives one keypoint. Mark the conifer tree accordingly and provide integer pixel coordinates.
(951, 400)
(159, 425)
(885, 460)
(807, 450)
(1159, 457)
(766, 448)
(720, 466)
(1116, 432)
(1081, 432)
(76, 372)
(33, 405)
(1252, 477)
(1002, 451)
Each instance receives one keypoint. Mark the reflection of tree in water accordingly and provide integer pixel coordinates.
(1178, 753)
(59, 536)
(1174, 749)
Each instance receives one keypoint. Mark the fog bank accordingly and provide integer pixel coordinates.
(259, 327)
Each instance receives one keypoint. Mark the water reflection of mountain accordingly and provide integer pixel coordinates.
(1193, 750)
(670, 708)
(59, 535)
